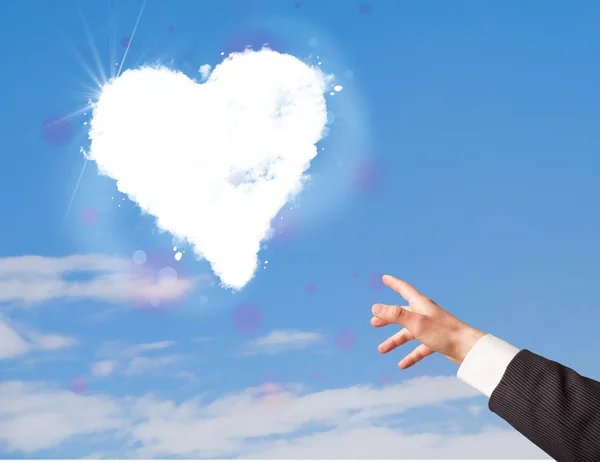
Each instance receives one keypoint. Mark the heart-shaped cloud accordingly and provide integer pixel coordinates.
(213, 162)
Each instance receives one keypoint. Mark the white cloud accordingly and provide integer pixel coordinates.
(103, 368)
(213, 162)
(150, 346)
(475, 410)
(380, 443)
(36, 416)
(13, 343)
(342, 423)
(36, 279)
(143, 365)
(279, 341)
(205, 71)
(134, 359)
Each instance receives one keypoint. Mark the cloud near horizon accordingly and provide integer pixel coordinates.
(32, 280)
(335, 423)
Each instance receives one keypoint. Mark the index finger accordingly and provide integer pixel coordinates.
(406, 291)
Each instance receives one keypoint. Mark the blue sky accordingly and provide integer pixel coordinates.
(481, 118)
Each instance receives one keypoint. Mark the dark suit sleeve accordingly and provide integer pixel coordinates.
(553, 406)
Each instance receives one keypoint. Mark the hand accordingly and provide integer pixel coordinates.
(423, 320)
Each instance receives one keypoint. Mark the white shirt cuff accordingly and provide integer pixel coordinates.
(486, 363)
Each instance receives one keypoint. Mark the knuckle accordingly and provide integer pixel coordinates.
(396, 312)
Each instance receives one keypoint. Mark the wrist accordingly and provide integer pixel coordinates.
(467, 340)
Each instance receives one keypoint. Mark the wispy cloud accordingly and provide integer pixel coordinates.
(56, 415)
(36, 279)
(136, 359)
(341, 423)
(279, 341)
(103, 368)
(18, 340)
(143, 365)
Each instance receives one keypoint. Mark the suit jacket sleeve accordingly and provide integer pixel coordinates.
(551, 405)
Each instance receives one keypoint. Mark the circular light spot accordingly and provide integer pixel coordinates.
(385, 380)
(375, 281)
(167, 275)
(364, 9)
(78, 385)
(272, 395)
(366, 176)
(349, 74)
(313, 42)
(89, 216)
(126, 42)
(170, 29)
(139, 257)
(57, 130)
(330, 117)
(311, 288)
(298, 4)
(355, 275)
(247, 318)
(345, 340)
(155, 302)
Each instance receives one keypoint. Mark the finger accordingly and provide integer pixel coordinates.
(396, 340)
(406, 291)
(422, 351)
(376, 322)
(400, 315)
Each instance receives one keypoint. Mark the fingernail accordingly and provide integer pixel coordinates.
(377, 309)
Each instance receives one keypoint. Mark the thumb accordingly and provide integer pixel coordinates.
(402, 315)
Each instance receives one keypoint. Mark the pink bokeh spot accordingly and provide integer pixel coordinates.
(163, 278)
(78, 385)
(311, 288)
(364, 9)
(247, 318)
(57, 130)
(318, 376)
(170, 29)
(272, 395)
(366, 175)
(375, 281)
(345, 340)
(126, 42)
(355, 275)
(298, 4)
(89, 216)
(385, 380)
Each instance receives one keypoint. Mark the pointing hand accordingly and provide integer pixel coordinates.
(425, 321)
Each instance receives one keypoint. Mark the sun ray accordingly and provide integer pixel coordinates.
(66, 119)
(87, 68)
(72, 199)
(131, 39)
(93, 48)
